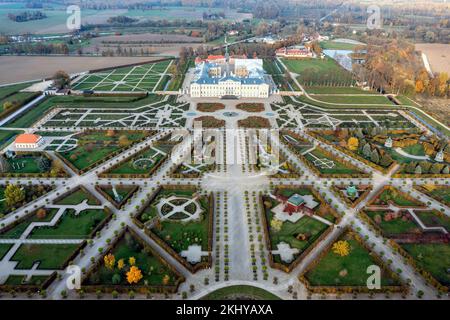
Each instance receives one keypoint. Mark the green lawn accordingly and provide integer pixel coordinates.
(181, 235)
(153, 270)
(71, 225)
(337, 90)
(333, 45)
(338, 168)
(4, 248)
(122, 191)
(289, 231)
(18, 99)
(51, 256)
(133, 166)
(434, 219)
(78, 197)
(242, 292)
(7, 91)
(319, 71)
(394, 226)
(392, 194)
(350, 270)
(7, 137)
(359, 99)
(17, 231)
(14, 280)
(435, 258)
(26, 163)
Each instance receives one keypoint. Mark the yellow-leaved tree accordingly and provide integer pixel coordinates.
(276, 224)
(341, 248)
(109, 260)
(120, 264)
(166, 279)
(134, 275)
(353, 143)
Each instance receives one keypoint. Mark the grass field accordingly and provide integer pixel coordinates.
(71, 225)
(362, 99)
(435, 258)
(394, 226)
(7, 136)
(337, 90)
(78, 197)
(319, 72)
(142, 163)
(350, 270)
(244, 292)
(17, 231)
(50, 256)
(391, 194)
(4, 248)
(333, 45)
(142, 78)
(337, 168)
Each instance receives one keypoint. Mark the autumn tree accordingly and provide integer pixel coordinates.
(165, 280)
(134, 275)
(14, 195)
(353, 143)
(124, 141)
(109, 260)
(341, 248)
(61, 79)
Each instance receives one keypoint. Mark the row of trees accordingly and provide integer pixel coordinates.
(26, 16)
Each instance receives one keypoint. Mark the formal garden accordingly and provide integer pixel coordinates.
(35, 164)
(14, 196)
(295, 219)
(342, 268)
(390, 195)
(254, 122)
(419, 234)
(210, 107)
(352, 194)
(143, 163)
(210, 122)
(106, 145)
(77, 196)
(180, 219)
(251, 107)
(131, 263)
(418, 154)
(196, 165)
(118, 195)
